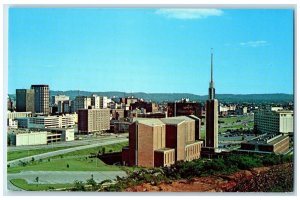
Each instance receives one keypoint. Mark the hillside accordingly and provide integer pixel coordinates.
(278, 178)
(160, 97)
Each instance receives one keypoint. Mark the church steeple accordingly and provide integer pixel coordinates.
(211, 90)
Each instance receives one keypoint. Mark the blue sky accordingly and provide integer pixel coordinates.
(151, 50)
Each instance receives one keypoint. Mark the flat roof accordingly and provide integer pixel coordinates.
(182, 117)
(25, 131)
(267, 139)
(149, 121)
(164, 149)
(278, 139)
(172, 121)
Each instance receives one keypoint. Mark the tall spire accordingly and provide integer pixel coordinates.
(211, 90)
(211, 64)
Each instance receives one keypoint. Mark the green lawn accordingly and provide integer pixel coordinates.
(13, 155)
(61, 164)
(227, 120)
(108, 148)
(80, 163)
(21, 183)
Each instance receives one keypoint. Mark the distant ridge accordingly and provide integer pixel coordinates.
(160, 97)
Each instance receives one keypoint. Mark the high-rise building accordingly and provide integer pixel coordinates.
(41, 98)
(95, 101)
(10, 106)
(93, 120)
(274, 121)
(211, 139)
(57, 98)
(82, 102)
(25, 100)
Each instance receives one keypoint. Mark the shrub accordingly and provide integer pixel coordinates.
(92, 182)
(78, 186)
(244, 161)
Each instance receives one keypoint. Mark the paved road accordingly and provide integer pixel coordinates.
(63, 151)
(61, 177)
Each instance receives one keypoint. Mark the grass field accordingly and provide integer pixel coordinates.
(13, 155)
(77, 161)
(21, 183)
(65, 164)
(230, 120)
(108, 148)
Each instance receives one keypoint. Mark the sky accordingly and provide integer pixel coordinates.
(151, 50)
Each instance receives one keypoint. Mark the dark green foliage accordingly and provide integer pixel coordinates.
(244, 161)
(197, 168)
(92, 182)
(68, 165)
(78, 186)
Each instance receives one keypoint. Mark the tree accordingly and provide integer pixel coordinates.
(103, 150)
(37, 180)
(68, 165)
(32, 159)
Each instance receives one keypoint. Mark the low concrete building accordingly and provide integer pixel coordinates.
(278, 144)
(25, 137)
(51, 122)
(66, 134)
(14, 115)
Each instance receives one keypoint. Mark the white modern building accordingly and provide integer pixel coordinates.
(274, 122)
(63, 121)
(12, 123)
(14, 115)
(58, 98)
(22, 137)
(25, 137)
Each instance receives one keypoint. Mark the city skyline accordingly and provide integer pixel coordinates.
(151, 50)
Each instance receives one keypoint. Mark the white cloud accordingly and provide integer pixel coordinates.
(258, 43)
(179, 13)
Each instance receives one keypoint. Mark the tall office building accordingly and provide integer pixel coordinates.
(41, 98)
(55, 99)
(93, 120)
(82, 102)
(274, 121)
(25, 100)
(211, 139)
